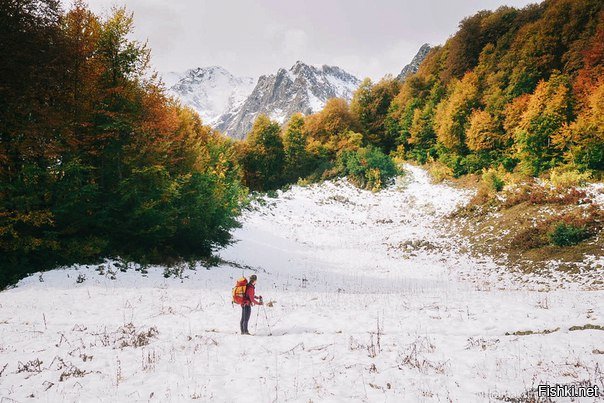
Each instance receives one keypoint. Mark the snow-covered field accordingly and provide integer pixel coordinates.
(372, 301)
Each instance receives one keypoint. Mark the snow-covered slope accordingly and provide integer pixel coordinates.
(303, 88)
(211, 91)
(367, 306)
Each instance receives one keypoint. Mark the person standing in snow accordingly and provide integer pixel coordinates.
(249, 300)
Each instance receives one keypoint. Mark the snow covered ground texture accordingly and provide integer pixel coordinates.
(368, 306)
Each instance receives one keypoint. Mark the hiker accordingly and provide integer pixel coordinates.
(249, 299)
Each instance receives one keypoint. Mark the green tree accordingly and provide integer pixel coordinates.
(294, 147)
(262, 156)
(366, 167)
(95, 160)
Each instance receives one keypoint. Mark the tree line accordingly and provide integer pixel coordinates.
(95, 160)
(520, 90)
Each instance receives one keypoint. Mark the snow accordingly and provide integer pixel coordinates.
(316, 104)
(368, 305)
(211, 91)
(289, 73)
(300, 89)
(278, 115)
(343, 88)
(171, 78)
(596, 192)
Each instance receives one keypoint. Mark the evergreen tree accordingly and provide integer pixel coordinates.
(262, 156)
(294, 147)
(95, 160)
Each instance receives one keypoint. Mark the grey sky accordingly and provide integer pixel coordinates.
(366, 38)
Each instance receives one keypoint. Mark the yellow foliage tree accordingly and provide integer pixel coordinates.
(483, 132)
(514, 111)
(547, 111)
(451, 117)
(583, 140)
(333, 120)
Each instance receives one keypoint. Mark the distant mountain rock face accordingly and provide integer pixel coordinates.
(412, 67)
(302, 88)
(211, 91)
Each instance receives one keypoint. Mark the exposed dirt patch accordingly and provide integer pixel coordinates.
(519, 233)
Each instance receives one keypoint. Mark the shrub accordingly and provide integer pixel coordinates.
(482, 196)
(455, 162)
(568, 179)
(474, 162)
(440, 171)
(565, 229)
(567, 234)
(368, 168)
(493, 179)
(491, 183)
(535, 194)
(532, 237)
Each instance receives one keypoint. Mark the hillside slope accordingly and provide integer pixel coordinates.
(517, 88)
(366, 305)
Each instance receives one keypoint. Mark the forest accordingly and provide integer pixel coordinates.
(519, 90)
(97, 161)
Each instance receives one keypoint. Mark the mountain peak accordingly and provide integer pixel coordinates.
(413, 67)
(302, 68)
(230, 104)
(303, 88)
(207, 72)
(210, 90)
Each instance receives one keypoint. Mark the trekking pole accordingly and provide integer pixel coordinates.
(256, 325)
(267, 324)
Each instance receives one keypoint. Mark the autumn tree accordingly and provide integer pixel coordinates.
(582, 141)
(334, 119)
(31, 76)
(465, 47)
(370, 105)
(483, 132)
(591, 74)
(95, 159)
(548, 110)
(452, 114)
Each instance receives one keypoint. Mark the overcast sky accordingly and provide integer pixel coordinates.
(253, 37)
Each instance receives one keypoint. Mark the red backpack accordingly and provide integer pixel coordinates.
(239, 291)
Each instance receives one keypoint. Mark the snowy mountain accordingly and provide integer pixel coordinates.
(412, 67)
(302, 88)
(211, 91)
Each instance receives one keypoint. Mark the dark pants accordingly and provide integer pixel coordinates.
(246, 312)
